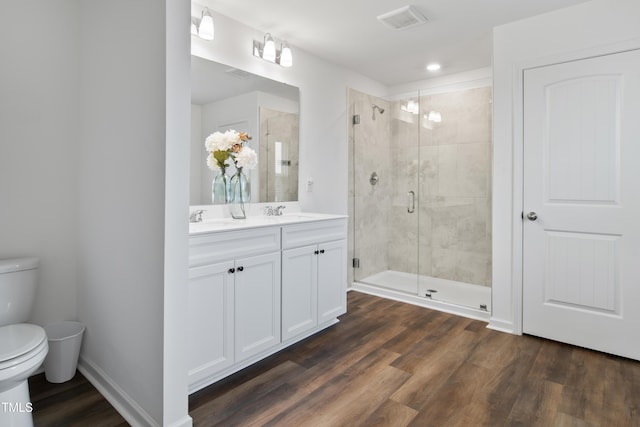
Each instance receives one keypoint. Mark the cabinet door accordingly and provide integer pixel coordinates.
(299, 290)
(257, 304)
(210, 332)
(332, 280)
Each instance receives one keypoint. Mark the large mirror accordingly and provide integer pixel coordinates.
(223, 98)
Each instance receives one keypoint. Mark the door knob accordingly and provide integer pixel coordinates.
(532, 216)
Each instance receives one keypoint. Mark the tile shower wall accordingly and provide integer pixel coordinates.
(454, 190)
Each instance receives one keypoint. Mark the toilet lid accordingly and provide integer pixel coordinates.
(18, 339)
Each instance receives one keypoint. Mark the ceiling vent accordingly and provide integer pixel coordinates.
(403, 18)
(241, 74)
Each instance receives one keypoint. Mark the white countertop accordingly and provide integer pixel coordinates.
(212, 225)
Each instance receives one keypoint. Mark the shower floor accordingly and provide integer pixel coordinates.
(450, 296)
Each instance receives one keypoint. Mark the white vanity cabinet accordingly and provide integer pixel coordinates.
(258, 287)
(313, 275)
(234, 299)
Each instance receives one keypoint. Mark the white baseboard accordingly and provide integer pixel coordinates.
(501, 326)
(186, 421)
(118, 398)
(468, 312)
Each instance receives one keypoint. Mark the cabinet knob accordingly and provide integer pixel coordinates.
(316, 252)
(321, 251)
(241, 268)
(232, 270)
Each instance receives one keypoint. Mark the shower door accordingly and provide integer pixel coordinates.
(384, 199)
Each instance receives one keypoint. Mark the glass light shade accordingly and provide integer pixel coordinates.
(286, 59)
(205, 30)
(269, 49)
(194, 29)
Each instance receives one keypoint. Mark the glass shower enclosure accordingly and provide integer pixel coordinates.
(420, 197)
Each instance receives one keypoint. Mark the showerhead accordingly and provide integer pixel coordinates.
(380, 110)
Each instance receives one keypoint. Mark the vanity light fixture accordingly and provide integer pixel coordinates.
(203, 28)
(267, 50)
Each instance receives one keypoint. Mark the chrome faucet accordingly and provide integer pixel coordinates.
(196, 216)
(271, 211)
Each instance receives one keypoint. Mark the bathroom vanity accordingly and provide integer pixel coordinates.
(259, 285)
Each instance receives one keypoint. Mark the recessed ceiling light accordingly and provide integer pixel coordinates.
(433, 67)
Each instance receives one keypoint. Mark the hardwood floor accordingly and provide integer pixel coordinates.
(73, 403)
(392, 364)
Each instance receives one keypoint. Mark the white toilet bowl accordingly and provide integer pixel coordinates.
(23, 348)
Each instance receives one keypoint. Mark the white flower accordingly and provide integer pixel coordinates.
(219, 141)
(246, 158)
(212, 162)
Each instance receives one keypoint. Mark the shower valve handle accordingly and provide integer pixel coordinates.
(411, 208)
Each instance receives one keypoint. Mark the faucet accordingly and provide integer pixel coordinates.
(271, 211)
(196, 216)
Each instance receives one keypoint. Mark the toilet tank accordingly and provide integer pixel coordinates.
(18, 281)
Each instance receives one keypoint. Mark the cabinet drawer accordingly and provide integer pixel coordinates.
(216, 247)
(309, 233)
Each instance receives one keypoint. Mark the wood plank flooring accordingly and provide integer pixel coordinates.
(70, 404)
(392, 364)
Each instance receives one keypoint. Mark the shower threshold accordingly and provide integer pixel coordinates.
(463, 299)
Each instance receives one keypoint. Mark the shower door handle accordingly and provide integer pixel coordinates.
(411, 200)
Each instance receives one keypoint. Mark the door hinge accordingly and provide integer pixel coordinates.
(356, 263)
(356, 119)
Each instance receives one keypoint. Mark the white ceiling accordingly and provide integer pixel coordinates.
(347, 32)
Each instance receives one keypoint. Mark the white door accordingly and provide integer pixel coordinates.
(581, 266)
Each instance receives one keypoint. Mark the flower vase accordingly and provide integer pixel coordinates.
(239, 194)
(220, 188)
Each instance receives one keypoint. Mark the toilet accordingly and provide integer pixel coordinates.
(23, 346)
